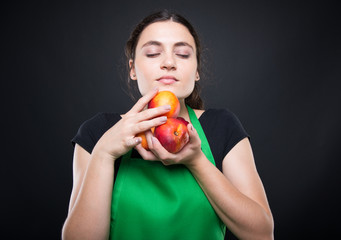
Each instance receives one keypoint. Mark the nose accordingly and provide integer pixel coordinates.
(168, 63)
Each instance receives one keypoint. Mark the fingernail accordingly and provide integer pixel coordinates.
(167, 107)
(163, 119)
(153, 140)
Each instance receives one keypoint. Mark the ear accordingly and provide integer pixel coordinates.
(132, 72)
(197, 76)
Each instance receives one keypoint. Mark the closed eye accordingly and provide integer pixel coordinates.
(183, 55)
(153, 55)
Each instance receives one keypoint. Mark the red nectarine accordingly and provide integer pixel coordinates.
(173, 135)
(166, 98)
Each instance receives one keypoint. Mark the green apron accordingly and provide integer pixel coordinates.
(152, 201)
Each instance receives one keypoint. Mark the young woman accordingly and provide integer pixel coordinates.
(122, 191)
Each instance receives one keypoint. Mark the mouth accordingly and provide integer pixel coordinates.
(167, 80)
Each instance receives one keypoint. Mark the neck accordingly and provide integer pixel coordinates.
(183, 110)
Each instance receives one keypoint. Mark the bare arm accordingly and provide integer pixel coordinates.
(89, 210)
(237, 194)
(90, 202)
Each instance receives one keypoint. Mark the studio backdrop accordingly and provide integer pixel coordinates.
(275, 64)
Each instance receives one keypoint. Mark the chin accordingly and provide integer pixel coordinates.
(168, 88)
(179, 91)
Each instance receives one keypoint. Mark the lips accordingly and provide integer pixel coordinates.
(167, 80)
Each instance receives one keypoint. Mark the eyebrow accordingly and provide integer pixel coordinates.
(157, 43)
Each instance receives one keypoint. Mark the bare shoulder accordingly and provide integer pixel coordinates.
(198, 112)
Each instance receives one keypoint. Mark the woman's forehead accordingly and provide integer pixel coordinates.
(166, 33)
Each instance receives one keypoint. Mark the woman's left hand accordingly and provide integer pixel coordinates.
(186, 155)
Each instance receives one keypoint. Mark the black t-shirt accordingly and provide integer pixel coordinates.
(222, 128)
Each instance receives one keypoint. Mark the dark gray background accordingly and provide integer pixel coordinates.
(276, 64)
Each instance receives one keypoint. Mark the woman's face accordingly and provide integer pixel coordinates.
(165, 57)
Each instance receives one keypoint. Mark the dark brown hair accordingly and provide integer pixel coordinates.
(194, 100)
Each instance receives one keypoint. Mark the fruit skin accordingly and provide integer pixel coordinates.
(173, 135)
(166, 98)
(144, 142)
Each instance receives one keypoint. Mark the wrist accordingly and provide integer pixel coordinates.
(103, 156)
(196, 161)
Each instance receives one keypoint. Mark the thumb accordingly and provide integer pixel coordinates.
(193, 134)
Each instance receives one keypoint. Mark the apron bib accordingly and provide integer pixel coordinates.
(152, 201)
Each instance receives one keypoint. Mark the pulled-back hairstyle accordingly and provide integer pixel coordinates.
(193, 100)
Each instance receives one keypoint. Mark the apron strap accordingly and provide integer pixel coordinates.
(205, 146)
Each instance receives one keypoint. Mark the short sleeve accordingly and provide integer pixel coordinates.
(223, 131)
(235, 133)
(92, 130)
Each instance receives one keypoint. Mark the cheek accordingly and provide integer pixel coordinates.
(189, 70)
(144, 69)
(144, 73)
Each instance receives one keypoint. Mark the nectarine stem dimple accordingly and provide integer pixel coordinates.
(176, 133)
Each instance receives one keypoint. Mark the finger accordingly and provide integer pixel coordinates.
(153, 112)
(193, 143)
(146, 155)
(193, 135)
(159, 151)
(166, 162)
(133, 142)
(147, 125)
(143, 101)
(149, 136)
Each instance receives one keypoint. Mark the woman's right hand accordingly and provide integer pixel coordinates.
(120, 138)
